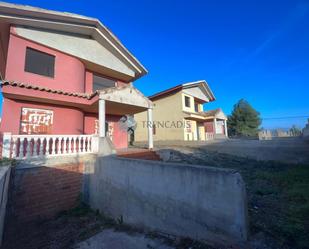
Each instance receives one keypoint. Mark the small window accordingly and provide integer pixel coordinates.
(100, 83)
(39, 63)
(187, 101)
(196, 107)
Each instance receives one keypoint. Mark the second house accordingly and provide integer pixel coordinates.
(178, 115)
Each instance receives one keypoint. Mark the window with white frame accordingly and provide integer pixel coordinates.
(187, 102)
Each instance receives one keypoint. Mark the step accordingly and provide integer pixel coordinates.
(140, 154)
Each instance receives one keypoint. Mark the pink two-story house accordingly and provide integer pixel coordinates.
(65, 79)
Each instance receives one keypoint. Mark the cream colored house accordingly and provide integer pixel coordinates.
(178, 115)
(215, 124)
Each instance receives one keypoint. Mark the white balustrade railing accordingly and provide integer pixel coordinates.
(209, 135)
(31, 146)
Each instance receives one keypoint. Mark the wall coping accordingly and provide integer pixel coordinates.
(175, 165)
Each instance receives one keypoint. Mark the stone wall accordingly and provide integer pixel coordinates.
(192, 201)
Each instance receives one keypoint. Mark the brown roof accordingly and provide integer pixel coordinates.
(165, 92)
(46, 89)
(87, 96)
(181, 86)
(211, 113)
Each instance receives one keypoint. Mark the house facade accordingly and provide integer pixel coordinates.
(64, 75)
(216, 123)
(178, 115)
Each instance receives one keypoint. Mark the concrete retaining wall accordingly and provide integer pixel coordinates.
(192, 201)
(5, 172)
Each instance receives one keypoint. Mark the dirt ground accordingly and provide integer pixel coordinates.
(83, 228)
(62, 232)
(109, 238)
(287, 150)
(278, 190)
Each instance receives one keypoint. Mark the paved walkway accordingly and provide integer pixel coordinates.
(110, 239)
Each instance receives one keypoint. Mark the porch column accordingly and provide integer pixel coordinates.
(6, 144)
(215, 126)
(150, 128)
(225, 128)
(101, 118)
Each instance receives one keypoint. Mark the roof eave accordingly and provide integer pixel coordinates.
(211, 94)
(27, 15)
(165, 92)
(205, 85)
(129, 54)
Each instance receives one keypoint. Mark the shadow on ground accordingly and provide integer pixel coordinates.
(83, 228)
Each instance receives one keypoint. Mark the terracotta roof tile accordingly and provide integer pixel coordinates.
(211, 113)
(46, 89)
(182, 86)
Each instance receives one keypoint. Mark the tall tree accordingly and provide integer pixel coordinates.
(244, 120)
(295, 131)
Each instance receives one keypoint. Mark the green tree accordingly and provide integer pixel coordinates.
(295, 131)
(244, 120)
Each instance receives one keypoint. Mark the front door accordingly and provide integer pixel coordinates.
(198, 133)
(201, 132)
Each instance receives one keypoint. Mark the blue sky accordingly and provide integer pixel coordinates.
(257, 50)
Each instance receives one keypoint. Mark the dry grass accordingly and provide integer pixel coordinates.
(278, 195)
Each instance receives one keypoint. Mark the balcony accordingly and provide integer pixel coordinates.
(42, 146)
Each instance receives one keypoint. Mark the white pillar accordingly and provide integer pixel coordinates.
(150, 128)
(215, 126)
(6, 146)
(225, 127)
(101, 118)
